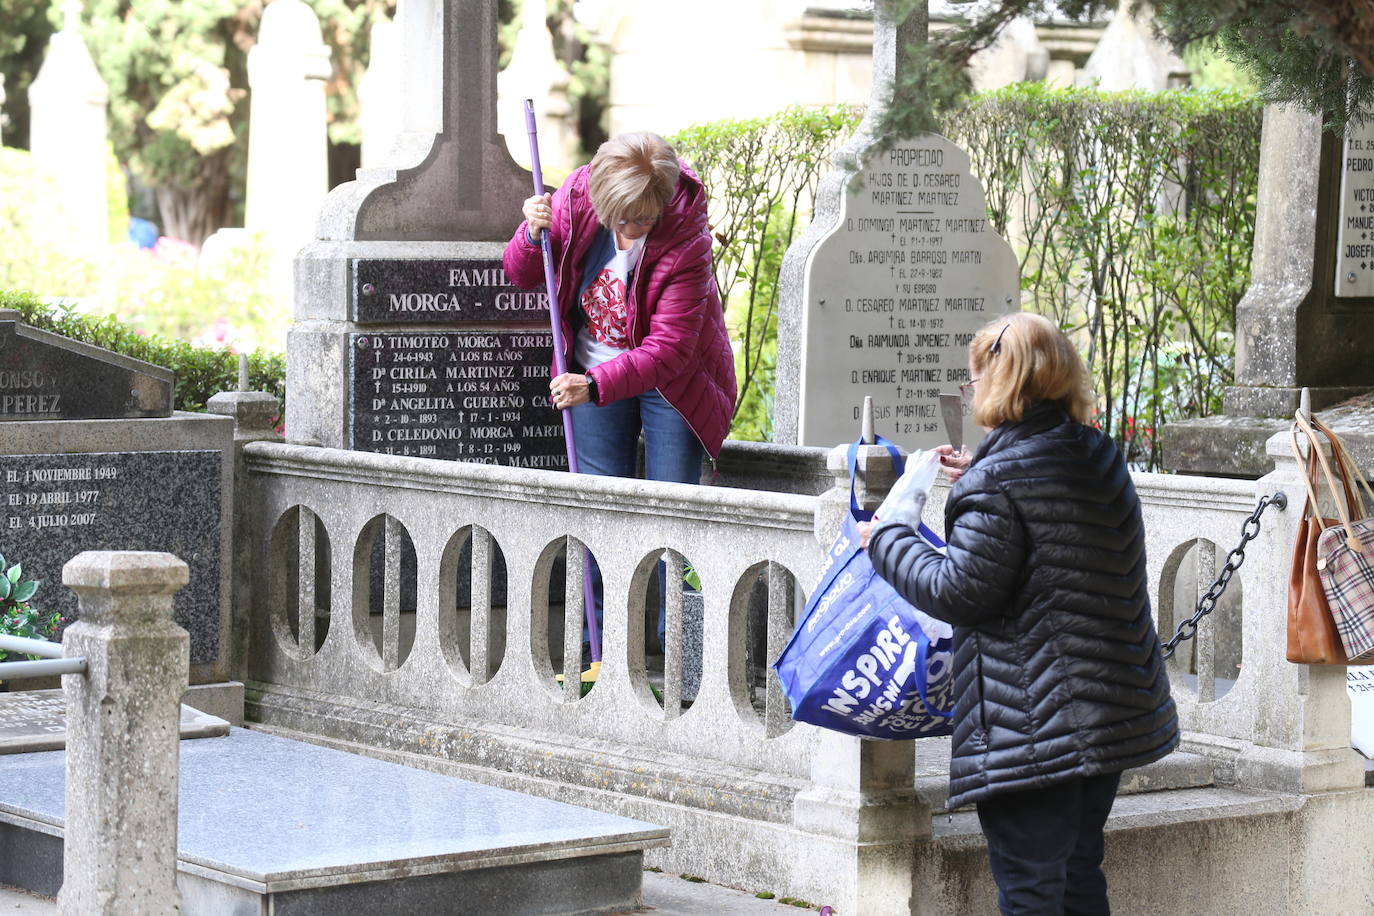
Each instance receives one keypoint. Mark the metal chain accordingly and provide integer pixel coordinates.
(1208, 602)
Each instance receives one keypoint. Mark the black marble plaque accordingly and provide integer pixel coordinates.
(462, 395)
(441, 290)
(44, 376)
(53, 507)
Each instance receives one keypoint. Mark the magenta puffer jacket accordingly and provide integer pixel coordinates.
(678, 341)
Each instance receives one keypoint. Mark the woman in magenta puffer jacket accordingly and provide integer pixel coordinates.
(641, 313)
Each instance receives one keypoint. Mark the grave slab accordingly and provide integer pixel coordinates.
(36, 720)
(267, 824)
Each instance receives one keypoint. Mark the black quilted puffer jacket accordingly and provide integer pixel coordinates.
(1058, 671)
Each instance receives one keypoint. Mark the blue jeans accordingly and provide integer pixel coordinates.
(607, 439)
(1045, 846)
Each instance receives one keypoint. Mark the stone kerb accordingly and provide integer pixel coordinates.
(122, 726)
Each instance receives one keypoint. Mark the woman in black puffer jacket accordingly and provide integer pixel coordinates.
(1059, 680)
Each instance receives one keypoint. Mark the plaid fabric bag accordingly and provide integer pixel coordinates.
(1347, 575)
(1345, 552)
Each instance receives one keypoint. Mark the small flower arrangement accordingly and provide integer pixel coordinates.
(18, 616)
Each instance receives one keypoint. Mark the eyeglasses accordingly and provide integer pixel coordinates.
(641, 223)
(966, 390)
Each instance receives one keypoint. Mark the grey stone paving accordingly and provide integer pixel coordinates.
(664, 895)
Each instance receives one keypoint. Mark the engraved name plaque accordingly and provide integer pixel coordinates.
(386, 291)
(463, 395)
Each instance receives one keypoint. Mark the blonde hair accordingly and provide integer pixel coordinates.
(633, 177)
(1021, 359)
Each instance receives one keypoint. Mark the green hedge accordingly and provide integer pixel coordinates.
(200, 373)
(1132, 215)
(761, 176)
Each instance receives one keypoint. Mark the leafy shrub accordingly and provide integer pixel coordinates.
(18, 616)
(761, 176)
(231, 298)
(200, 372)
(1133, 215)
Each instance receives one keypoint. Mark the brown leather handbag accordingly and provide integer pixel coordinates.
(1312, 635)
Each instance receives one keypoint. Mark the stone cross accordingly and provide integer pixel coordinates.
(459, 183)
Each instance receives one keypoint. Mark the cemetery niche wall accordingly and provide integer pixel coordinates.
(92, 457)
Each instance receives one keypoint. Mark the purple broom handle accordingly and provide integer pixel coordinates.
(560, 366)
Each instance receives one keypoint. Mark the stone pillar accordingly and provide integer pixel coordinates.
(1292, 330)
(255, 414)
(67, 134)
(1302, 729)
(122, 730)
(862, 795)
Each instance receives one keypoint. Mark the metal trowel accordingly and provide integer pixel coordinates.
(952, 410)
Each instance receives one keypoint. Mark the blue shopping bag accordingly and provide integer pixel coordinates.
(862, 660)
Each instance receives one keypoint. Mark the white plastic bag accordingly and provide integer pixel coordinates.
(907, 499)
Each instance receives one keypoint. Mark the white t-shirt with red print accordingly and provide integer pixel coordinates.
(605, 334)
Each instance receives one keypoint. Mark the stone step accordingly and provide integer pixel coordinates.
(1147, 809)
(1179, 770)
(270, 825)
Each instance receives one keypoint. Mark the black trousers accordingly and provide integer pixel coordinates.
(1045, 847)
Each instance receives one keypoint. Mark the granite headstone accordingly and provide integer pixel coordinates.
(462, 289)
(44, 376)
(472, 385)
(894, 293)
(54, 506)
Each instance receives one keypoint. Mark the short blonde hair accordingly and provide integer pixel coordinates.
(1022, 359)
(633, 177)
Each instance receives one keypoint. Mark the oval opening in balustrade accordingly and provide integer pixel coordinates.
(763, 610)
(472, 604)
(299, 582)
(558, 627)
(667, 619)
(1208, 665)
(384, 593)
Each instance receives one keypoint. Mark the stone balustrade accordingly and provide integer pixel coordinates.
(345, 543)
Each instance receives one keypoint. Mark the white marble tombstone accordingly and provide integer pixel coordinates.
(380, 99)
(67, 133)
(535, 73)
(1130, 56)
(894, 293)
(287, 144)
